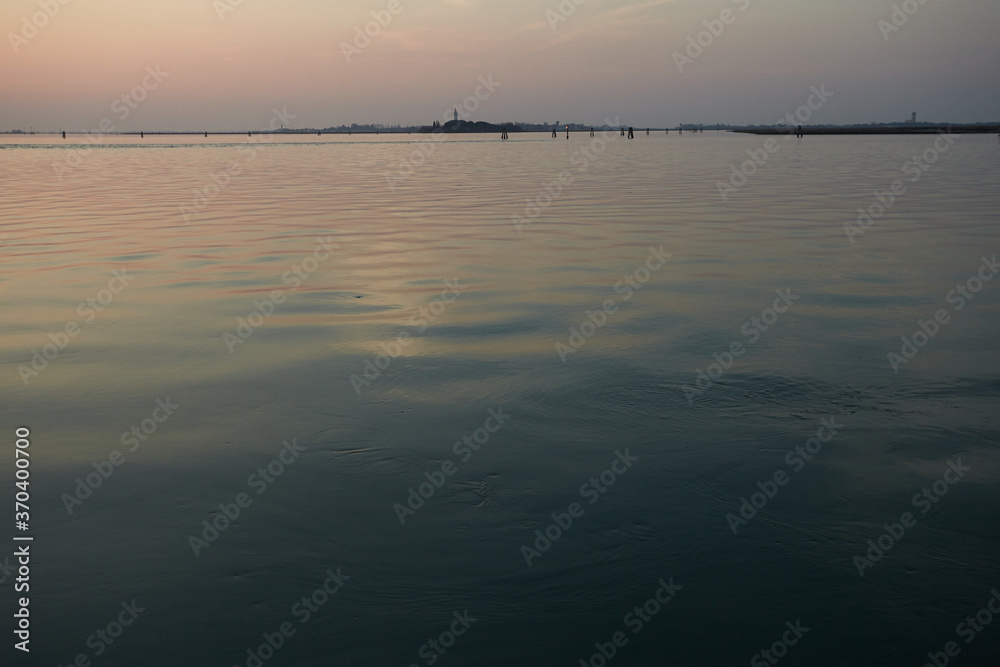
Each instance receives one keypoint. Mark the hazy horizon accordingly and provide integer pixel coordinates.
(226, 64)
(527, 127)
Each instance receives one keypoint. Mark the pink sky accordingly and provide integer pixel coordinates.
(228, 66)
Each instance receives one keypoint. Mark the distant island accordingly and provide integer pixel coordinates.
(457, 126)
(465, 126)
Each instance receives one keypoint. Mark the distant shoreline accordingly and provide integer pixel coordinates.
(832, 130)
(851, 130)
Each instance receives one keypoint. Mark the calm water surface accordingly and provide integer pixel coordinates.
(336, 274)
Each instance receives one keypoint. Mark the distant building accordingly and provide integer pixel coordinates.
(456, 114)
(913, 118)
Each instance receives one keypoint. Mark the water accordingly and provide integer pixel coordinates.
(352, 261)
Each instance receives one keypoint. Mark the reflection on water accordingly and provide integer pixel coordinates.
(279, 292)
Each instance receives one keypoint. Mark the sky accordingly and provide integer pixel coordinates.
(228, 64)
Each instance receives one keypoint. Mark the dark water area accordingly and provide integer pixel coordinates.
(695, 384)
